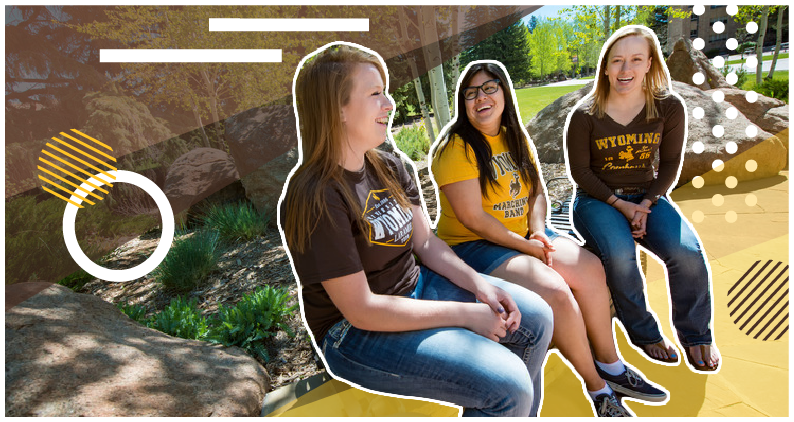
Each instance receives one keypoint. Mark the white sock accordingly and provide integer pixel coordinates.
(605, 390)
(615, 368)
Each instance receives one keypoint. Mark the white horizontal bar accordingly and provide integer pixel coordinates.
(289, 25)
(189, 56)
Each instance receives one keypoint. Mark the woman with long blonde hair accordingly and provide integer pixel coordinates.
(352, 222)
(610, 141)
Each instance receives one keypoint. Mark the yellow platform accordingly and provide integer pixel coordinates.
(754, 378)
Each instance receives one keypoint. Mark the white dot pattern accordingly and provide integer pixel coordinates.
(751, 131)
(698, 78)
(698, 113)
(698, 147)
(751, 96)
(698, 43)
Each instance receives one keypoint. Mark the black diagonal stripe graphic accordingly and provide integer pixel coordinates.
(760, 320)
(749, 282)
(783, 271)
(772, 319)
(743, 277)
(754, 289)
(781, 333)
(785, 319)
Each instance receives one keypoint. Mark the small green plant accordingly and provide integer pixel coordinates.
(235, 221)
(189, 261)
(136, 312)
(256, 317)
(181, 318)
(413, 141)
(741, 74)
(76, 280)
(775, 88)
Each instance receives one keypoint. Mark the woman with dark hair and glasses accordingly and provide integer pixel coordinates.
(352, 222)
(611, 138)
(493, 214)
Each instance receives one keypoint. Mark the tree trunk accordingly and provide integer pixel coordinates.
(617, 16)
(438, 88)
(759, 45)
(606, 22)
(197, 116)
(209, 87)
(420, 95)
(779, 38)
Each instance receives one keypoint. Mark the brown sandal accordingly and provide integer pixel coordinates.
(704, 367)
(668, 359)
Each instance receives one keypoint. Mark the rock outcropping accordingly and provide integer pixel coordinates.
(70, 354)
(196, 175)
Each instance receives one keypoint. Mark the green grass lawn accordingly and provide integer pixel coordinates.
(766, 59)
(532, 100)
(749, 84)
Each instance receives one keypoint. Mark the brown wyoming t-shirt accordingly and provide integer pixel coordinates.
(337, 247)
(604, 155)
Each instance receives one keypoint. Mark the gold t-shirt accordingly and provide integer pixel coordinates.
(507, 200)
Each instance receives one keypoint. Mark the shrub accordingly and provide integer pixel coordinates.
(136, 312)
(76, 280)
(235, 221)
(255, 317)
(189, 261)
(775, 88)
(413, 141)
(741, 74)
(182, 319)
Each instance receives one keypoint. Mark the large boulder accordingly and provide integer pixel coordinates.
(547, 127)
(259, 135)
(701, 130)
(263, 186)
(769, 114)
(685, 61)
(196, 175)
(70, 354)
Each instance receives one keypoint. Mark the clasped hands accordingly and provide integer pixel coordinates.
(637, 214)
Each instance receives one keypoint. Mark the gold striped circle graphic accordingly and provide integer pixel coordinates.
(71, 160)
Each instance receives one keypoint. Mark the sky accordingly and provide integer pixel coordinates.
(545, 12)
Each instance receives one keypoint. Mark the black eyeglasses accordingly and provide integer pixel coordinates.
(489, 87)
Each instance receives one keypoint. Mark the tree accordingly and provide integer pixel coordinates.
(755, 14)
(510, 46)
(779, 37)
(543, 45)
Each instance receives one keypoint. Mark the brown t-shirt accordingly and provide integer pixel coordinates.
(337, 247)
(604, 155)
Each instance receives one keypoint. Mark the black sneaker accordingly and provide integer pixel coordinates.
(633, 385)
(609, 405)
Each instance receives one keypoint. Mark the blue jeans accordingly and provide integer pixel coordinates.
(669, 237)
(485, 256)
(451, 364)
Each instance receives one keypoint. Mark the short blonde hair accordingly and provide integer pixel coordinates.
(656, 83)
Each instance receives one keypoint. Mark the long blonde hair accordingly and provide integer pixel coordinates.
(322, 88)
(656, 83)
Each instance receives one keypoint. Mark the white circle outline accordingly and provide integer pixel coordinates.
(167, 237)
